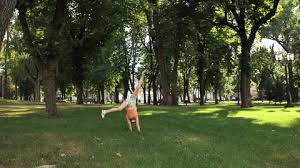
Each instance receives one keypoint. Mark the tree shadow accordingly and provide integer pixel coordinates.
(269, 141)
(201, 130)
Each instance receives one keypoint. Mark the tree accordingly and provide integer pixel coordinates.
(263, 69)
(245, 18)
(16, 57)
(21, 72)
(63, 76)
(288, 37)
(278, 91)
(167, 23)
(90, 25)
(201, 28)
(151, 61)
(100, 73)
(43, 46)
(186, 67)
(202, 64)
(218, 61)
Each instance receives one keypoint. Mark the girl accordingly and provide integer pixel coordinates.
(130, 103)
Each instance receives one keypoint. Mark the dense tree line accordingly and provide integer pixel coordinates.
(192, 47)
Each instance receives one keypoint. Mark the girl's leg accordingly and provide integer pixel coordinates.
(120, 108)
(137, 122)
(129, 123)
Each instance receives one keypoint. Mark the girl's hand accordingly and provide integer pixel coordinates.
(145, 71)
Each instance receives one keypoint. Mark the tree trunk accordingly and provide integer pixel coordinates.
(37, 92)
(149, 93)
(201, 64)
(102, 89)
(6, 57)
(154, 90)
(5, 90)
(98, 96)
(198, 93)
(133, 68)
(202, 92)
(245, 76)
(125, 84)
(49, 89)
(291, 82)
(1, 84)
(165, 86)
(174, 74)
(194, 95)
(184, 88)
(79, 92)
(117, 94)
(288, 89)
(174, 92)
(125, 93)
(7, 8)
(238, 95)
(297, 93)
(238, 88)
(86, 94)
(216, 96)
(262, 94)
(187, 91)
(294, 93)
(158, 42)
(144, 93)
(63, 93)
(160, 96)
(186, 96)
(16, 90)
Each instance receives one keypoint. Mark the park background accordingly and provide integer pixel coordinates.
(223, 89)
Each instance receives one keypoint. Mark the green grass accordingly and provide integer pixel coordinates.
(222, 136)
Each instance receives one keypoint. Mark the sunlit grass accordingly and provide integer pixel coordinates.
(16, 114)
(267, 114)
(277, 116)
(147, 113)
(210, 136)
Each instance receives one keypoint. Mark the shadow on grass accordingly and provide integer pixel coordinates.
(207, 129)
(73, 110)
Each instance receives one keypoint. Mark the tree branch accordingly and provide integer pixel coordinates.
(263, 20)
(143, 42)
(232, 8)
(29, 39)
(60, 10)
(224, 22)
(281, 43)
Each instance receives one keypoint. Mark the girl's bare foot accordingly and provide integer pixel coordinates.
(103, 113)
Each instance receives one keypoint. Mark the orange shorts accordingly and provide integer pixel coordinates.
(131, 113)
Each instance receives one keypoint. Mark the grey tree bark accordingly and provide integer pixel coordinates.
(6, 11)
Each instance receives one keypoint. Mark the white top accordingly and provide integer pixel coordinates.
(131, 100)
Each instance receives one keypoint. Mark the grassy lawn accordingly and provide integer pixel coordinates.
(222, 136)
